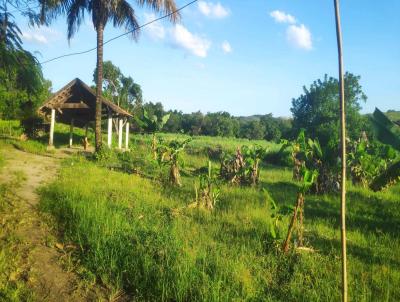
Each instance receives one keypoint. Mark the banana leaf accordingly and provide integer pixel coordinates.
(387, 178)
(386, 131)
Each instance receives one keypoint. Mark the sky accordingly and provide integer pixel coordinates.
(243, 57)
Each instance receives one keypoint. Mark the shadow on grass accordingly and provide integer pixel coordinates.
(283, 193)
(364, 254)
(364, 213)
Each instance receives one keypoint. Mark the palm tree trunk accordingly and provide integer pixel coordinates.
(99, 85)
(343, 152)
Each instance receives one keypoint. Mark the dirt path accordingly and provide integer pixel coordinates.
(41, 266)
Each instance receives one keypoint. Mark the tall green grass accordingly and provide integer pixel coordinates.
(135, 234)
(10, 128)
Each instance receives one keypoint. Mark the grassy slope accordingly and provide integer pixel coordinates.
(393, 115)
(136, 234)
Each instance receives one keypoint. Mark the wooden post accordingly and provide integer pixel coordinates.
(120, 134)
(342, 151)
(71, 130)
(127, 137)
(109, 135)
(52, 122)
(86, 130)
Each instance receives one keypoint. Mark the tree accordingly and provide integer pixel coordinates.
(174, 123)
(193, 123)
(22, 85)
(220, 124)
(272, 129)
(318, 112)
(119, 12)
(111, 81)
(122, 90)
(252, 130)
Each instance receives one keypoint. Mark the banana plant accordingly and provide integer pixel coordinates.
(252, 156)
(169, 153)
(275, 217)
(243, 167)
(389, 133)
(368, 160)
(309, 177)
(305, 153)
(208, 193)
(152, 124)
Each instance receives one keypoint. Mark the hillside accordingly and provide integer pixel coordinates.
(394, 115)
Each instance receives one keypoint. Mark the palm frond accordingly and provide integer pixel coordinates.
(162, 6)
(124, 15)
(75, 16)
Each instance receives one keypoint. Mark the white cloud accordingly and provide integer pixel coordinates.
(213, 10)
(226, 47)
(192, 43)
(178, 36)
(299, 36)
(282, 17)
(155, 30)
(40, 35)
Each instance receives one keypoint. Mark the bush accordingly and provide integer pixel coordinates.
(105, 156)
(33, 127)
(280, 158)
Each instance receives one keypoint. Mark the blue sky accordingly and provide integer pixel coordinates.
(244, 57)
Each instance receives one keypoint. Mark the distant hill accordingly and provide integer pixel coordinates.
(393, 115)
(257, 117)
(250, 118)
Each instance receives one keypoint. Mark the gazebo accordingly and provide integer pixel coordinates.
(75, 105)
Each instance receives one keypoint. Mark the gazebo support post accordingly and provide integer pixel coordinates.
(120, 121)
(52, 122)
(71, 131)
(109, 133)
(86, 130)
(127, 137)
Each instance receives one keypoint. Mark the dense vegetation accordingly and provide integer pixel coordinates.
(135, 232)
(22, 86)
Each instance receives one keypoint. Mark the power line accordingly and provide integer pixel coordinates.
(121, 35)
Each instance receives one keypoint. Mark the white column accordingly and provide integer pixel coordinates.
(120, 134)
(109, 136)
(52, 122)
(127, 137)
(71, 130)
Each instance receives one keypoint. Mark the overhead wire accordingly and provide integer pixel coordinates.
(119, 36)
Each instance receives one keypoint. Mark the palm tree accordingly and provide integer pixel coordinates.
(119, 12)
(343, 151)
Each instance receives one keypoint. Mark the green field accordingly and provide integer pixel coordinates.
(136, 234)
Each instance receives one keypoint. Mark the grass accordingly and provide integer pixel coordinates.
(32, 146)
(136, 234)
(12, 285)
(10, 128)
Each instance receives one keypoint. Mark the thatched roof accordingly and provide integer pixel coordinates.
(77, 101)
